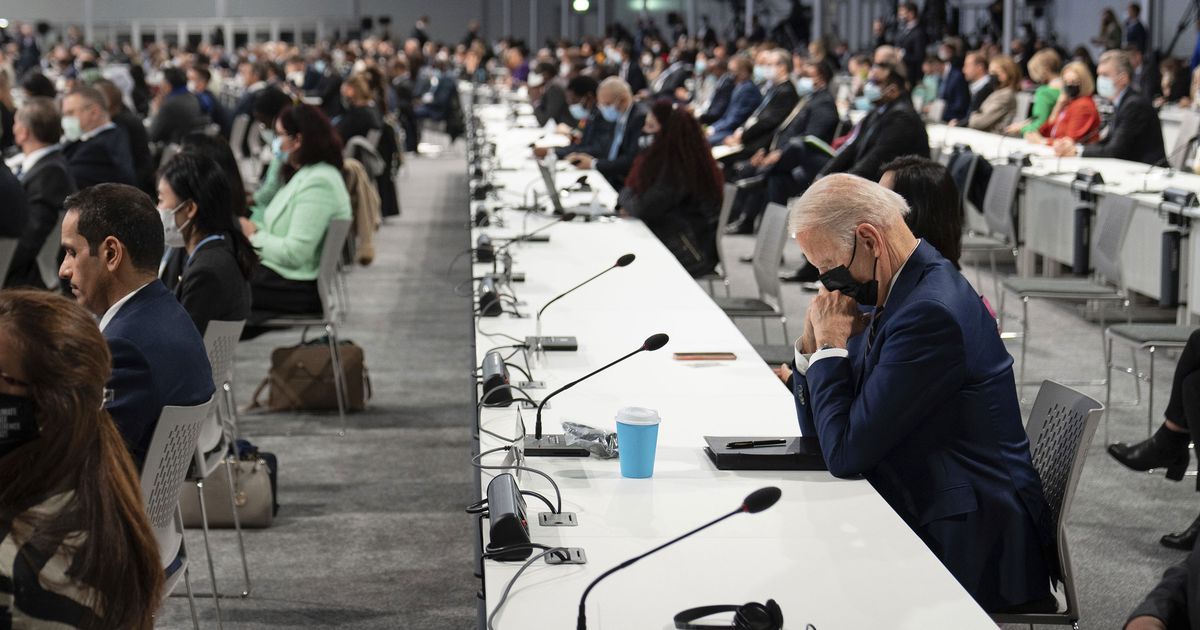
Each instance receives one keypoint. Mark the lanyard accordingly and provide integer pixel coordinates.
(202, 243)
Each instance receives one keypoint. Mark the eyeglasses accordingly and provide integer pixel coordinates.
(10, 381)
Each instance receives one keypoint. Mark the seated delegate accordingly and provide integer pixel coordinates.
(194, 203)
(919, 397)
(289, 232)
(76, 548)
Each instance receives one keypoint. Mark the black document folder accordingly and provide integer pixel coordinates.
(800, 453)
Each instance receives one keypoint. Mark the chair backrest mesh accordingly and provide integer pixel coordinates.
(1000, 200)
(172, 450)
(1113, 215)
(768, 250)
(220, 341)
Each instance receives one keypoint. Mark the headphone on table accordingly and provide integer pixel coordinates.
(751, 616)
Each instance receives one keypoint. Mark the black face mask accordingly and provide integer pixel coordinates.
(1071, 90)
(18, 425)
(839, 279)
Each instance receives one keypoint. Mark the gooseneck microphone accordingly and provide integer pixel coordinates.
(555, 445)
(566, 216)
(754, 503)
(566, 343)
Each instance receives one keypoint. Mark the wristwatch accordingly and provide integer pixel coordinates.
(826, 346)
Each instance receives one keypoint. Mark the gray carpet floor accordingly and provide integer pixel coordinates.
(372, 533)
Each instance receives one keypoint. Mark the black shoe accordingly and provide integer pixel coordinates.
(1165, 449)
(806, 273)
(1183, 540)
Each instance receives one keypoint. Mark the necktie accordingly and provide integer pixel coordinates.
(20, 170)
(618, 135)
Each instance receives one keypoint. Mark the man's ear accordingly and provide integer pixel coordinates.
(112, 253)
(871, 238)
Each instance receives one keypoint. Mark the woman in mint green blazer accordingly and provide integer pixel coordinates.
(289, 231)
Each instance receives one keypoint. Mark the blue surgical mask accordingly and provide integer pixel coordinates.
(616, 58)
(701, 66)
(319, 66)
(1105, 87)
(804, 86)
(872, 92)
(861, 103)
(610, 113)
(760, 74)
(579, 112)
(277, 148)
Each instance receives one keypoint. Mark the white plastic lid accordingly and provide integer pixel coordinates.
(638, 415)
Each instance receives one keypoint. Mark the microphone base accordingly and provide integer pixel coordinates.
(552, 445)
(553, 344)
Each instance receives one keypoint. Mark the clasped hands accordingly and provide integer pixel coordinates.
(832, 319)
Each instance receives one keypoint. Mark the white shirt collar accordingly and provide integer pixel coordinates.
(112, 310)
(31, 159)
(899, 271)
(97, 131)
(979, 84)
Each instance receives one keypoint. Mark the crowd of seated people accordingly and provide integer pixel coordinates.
(665, 119)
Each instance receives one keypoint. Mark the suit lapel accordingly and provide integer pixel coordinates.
(910, 276)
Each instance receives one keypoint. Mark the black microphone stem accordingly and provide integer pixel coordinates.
(582, 622)
(561, 296)
(538, 426)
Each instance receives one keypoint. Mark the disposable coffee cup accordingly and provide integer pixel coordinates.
(637, 439)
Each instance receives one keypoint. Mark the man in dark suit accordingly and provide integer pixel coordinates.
(891, 129)
(778, 101)
(1134, 132)
(722, 93)
(46, 182)
(979, 82)
(1146, 78)
(952, 89)
(139, 139)
(919, 397)
(674, 77)
(253, 77)
(1135, 32)
(548, 95)
(592, 134)
(910, 39)
(97, 151)
(615, 102)
(198, 84)
(178, 112)
(816, 116)
(744, 99)
(28, 53)
(1175, 600)
(628, 68)
(113, 238)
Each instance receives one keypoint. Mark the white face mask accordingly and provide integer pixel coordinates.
(71, 128)
(172, 234)
(191, 86)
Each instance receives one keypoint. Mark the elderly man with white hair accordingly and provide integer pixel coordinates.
(614, 99)
(902, 377)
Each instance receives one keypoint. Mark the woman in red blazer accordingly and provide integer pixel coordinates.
(1075, 115)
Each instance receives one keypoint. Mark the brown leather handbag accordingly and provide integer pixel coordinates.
(301, 378)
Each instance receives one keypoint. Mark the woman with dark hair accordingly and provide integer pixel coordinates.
(290, 231)
(935, 207)
(217, 149)
(676, 187)
(214, 280)
(77, 550)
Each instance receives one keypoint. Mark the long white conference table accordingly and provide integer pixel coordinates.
(1046, 209)
(832, 552)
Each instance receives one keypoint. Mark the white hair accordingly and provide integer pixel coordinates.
(836, 204)
(616, 86)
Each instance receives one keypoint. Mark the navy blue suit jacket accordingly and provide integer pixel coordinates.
(597, 137)
(722, 95)
(744, 101)
(956, 94)
(929, 415)
(158, 360)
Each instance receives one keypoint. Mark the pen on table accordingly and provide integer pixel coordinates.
(755, 443)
